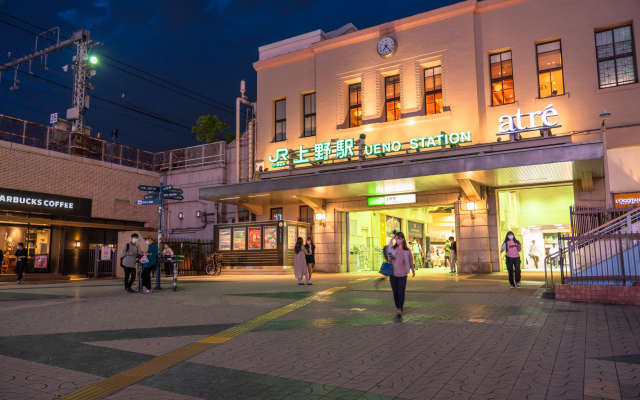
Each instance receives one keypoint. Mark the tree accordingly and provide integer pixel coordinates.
(209, 128)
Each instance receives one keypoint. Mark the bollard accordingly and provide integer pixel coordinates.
(139, 285)
(175, 275)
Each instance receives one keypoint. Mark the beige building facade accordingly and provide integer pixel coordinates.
(486, 116)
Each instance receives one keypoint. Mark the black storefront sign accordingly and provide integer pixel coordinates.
(43, 203)
(415, 229)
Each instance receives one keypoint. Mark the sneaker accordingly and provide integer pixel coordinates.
(145, 290)
(519, 287)
(513, 287)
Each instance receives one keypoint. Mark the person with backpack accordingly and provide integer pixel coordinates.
(128, 258)
(513, 248)
(401, 257)
(147, 268)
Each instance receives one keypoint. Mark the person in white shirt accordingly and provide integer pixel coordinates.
(553, 251)
(535, 253)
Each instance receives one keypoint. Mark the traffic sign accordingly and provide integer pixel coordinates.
(147, 202)
(168, 187)
(151, 196)
(176, 198)
(172, 194)
(179, 191)
(149, 188)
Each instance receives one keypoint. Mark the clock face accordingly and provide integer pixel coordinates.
(387, 47)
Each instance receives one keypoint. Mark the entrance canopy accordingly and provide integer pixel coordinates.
(493, 165)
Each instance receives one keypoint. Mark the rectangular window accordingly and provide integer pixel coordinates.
(309, 101)
(276, 214)
(281, 120)
(392, 97)
(355, 105)
(306, 214)
(433, 90)
(501, 79)
(616, 58)
(550, 79)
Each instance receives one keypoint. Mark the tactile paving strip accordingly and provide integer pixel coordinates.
(127, 378)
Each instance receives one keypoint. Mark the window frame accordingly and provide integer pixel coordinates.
(307, 209)
(633, 56)
(275, 126)
(394, 99)
(434, 91)
(281, 209)
(305, 115)
(502, 78)
(548, 70)
(358, 105)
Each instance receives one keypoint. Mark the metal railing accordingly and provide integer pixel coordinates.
(194, 255)
(590, 220)
(44, 137)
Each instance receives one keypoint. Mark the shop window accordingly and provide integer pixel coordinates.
(281, 120)
(433, 90)
(309, 101)
(392, 97)
(501, 79)
(306, 214)
(276, 214)
(616, 59)
(550, 79)
(355, 105)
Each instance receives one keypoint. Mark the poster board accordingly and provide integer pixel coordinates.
(105, 253)
(291, 242)
(240, 239)
(302, 232)
(224, 238)
(41, 261)
(270, 237)
(255, 237)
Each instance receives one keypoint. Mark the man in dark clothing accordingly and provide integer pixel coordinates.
(21, 261)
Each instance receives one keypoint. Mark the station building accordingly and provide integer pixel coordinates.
(469, 121)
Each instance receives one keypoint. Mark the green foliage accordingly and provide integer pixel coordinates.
(229, 137)
(209, 128)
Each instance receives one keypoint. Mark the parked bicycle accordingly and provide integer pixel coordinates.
(214, 264)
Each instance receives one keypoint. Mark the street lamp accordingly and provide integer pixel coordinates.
(604, 117)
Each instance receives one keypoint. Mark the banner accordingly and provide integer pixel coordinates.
(105, 253)
(41, 261)
(292, 237)
(239, 239)
(224, 238)
(254, 238)
(270, 238)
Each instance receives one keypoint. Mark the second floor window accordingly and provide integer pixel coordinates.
(309, 101)
(276, 214)
(501, 79)
(281, 120)
(306, 215)
(433, 90)
(616, 59)
(355, 105)
(392, 97)
(550, 79)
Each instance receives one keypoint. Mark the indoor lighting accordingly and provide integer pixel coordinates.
(77, 243)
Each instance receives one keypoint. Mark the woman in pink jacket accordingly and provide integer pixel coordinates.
(400, 256)
(513, 248)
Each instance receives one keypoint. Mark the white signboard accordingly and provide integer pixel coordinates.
(54, 118)
(105, 253)
(400, 199)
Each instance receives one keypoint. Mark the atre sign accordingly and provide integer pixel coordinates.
(519, 122)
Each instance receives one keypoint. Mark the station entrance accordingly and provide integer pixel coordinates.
(427, 230)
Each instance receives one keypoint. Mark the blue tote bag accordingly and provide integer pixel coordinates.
(386, 269)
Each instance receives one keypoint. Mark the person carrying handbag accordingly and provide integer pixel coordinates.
(152, 257)
(402, 259)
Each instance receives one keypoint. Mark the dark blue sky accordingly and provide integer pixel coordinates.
(204, 46)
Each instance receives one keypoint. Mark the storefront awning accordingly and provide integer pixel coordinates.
(52, 222)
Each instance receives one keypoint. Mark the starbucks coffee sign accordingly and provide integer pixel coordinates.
(43, 203)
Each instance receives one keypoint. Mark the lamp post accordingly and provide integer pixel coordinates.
(603, 134)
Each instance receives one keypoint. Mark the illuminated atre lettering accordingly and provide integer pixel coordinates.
(509, 124)
(344, 148)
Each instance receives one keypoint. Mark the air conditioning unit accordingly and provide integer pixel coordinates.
(73, 113)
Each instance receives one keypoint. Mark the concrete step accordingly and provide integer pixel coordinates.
(264, 271)
(34, 277)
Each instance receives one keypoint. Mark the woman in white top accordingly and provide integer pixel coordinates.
(168, 267)
(300, 263)
(402, 259)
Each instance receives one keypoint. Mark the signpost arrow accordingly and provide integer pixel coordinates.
(179, 191)
(147, 202)
(172, 194)
(151, 196)
(176, 198)
(151, 188)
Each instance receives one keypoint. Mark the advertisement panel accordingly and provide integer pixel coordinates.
(224, 238)
(240, 239)
(415, 229)
(393, 224)
(302, 232)
(254, 238)
(625, 200)
(41, 261)
(292, 237)
(270, 238)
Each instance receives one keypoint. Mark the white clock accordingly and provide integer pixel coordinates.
(387, 47)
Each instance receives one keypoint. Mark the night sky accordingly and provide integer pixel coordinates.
(204, 46)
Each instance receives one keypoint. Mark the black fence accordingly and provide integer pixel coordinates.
(195, 254)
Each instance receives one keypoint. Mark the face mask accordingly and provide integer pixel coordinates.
(399, 241)
(510, 237)
(308, 241)
(148, 242)
(133, 240)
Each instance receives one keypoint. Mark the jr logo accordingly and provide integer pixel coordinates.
(282, 156)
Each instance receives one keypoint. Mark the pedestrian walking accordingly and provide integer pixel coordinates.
(535, 253)
(453, 253)
(168, 266)
(447, 254)
(128, 258)
(152, 256)
(310, 252)
(513, 248)
(416, 250)
(553, 252)
(21, 261)
(402, 259)
(300, 268)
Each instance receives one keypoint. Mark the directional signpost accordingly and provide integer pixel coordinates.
(155, 195)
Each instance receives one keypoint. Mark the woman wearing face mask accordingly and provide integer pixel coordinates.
(310, 252)
(152, 255)
(513, 247)
(402, 259)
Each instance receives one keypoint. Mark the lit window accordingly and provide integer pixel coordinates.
(355, 105)
(281, 120)
(392, 97)
(501, 79)
(550, 79)
(616, 59)
(276, 214)
(433, 90)
(309, 114)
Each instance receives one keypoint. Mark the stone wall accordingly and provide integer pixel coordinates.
(599, 294)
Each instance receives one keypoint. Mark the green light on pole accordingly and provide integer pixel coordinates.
(93, 60)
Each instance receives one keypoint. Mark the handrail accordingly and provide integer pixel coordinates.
(617, 220)
(550, 256)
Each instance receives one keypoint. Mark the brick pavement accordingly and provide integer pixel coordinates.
(461, 338)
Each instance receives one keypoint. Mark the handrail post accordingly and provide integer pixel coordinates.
(621, 253)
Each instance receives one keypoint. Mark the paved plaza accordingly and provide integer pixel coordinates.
(265, 337)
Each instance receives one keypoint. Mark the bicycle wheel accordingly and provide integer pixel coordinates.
(210, 269)
(218, 268)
